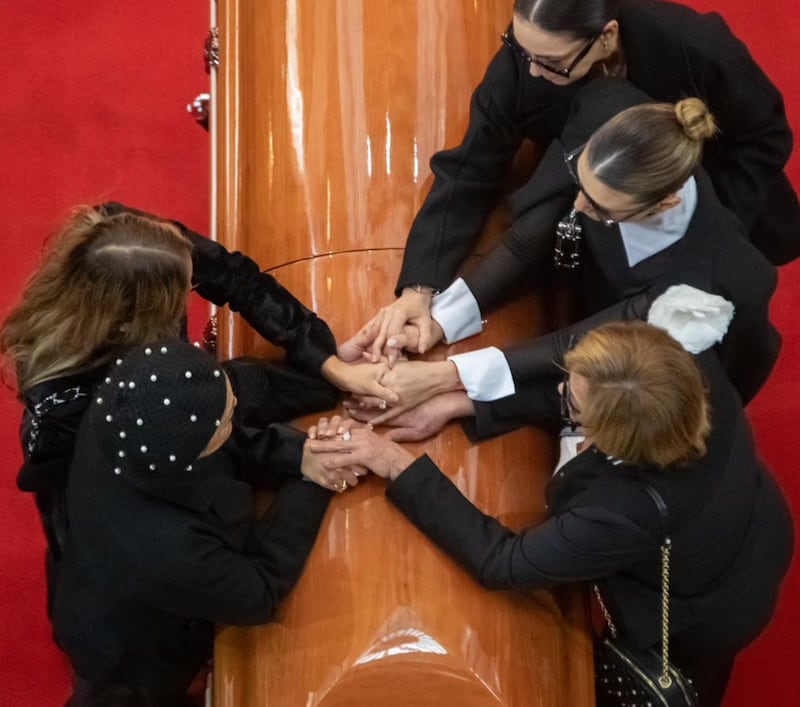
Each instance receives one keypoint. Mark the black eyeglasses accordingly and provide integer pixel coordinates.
(571, 160)
(510, 41)
(569, 413)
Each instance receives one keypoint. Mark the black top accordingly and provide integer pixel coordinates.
(671, 52)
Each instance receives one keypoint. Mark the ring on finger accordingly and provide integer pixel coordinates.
(382, 404)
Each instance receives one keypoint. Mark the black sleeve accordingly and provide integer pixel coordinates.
(467, 181)
(277, 315)
(270, 454)
(542, 356)
(583, 543)
(268, 392)
(234, 279)
(218, 583)
(525, 254)
(533, 403)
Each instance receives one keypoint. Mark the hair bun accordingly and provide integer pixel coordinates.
(696, 119)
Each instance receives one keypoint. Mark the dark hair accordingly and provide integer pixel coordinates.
(581, 18)
(649, 151)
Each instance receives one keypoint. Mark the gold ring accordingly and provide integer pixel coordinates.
(340, 485)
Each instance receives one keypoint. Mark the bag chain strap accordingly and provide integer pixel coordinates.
(665, 680)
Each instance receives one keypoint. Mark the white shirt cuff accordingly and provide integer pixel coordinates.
(484, 374)
(457, 312)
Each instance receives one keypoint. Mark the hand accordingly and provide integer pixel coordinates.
(411, 308)
(420, 422)
(414, 382)
(409, 340)
(364, 448)
(354, 350)
(359, 378)
(312, 467)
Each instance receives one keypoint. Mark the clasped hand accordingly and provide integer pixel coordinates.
(339, 446)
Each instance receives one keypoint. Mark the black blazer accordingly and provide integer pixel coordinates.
(731, 530)
(671, 52)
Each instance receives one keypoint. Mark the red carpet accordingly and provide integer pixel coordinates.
(93, 108)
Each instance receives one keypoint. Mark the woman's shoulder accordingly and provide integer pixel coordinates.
(53, 412)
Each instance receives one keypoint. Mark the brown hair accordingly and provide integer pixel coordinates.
(649, 151)
(646, 401)
(105, 283)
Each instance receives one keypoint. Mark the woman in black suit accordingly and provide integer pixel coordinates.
(645, 415)
(552, 48)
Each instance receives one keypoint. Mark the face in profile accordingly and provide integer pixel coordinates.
(225, 428)
(557, 57)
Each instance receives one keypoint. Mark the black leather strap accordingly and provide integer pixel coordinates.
(662, 508)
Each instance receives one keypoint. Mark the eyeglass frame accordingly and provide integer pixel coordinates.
(601, 211)
(569, 411)
(511, 41)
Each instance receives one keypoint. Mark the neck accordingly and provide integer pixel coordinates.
(614, 64)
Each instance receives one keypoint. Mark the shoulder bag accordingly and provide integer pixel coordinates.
(626, 676)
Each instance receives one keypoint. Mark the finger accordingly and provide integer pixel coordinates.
(383, 395)
(379, 338)
(359, 470)
(387, 416)
(323, 429)
(406, 434)
(392, 325)
(363, 414)
(345, 426)
(334, 462)
(371, 402)
(349, 476)
(395, 345)
(312, 432)
(334, 425)
(334, 483)
(425, 335)
(407, 340)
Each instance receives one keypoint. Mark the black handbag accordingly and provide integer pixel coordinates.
(626, 676)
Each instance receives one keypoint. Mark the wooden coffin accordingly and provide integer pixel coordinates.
(327, 113)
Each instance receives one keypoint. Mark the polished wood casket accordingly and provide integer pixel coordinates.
(326, 113)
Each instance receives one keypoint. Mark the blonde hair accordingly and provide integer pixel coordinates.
(646, 401)
(649, 151)
(105, 283)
